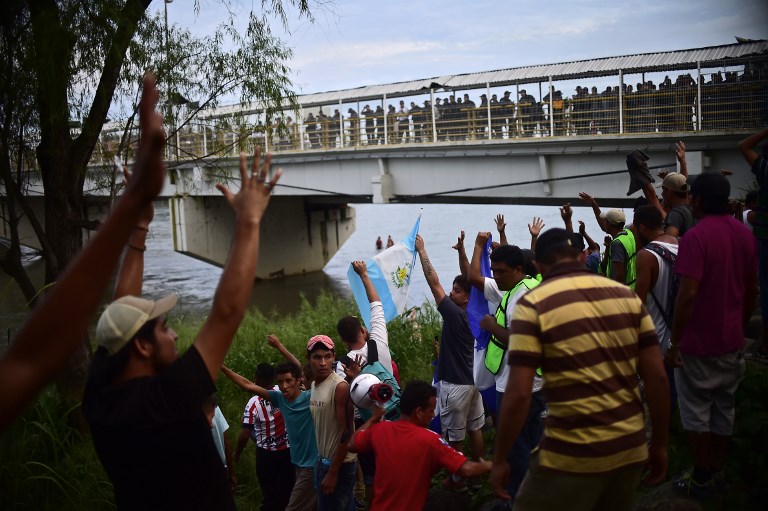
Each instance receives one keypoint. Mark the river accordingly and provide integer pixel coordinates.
(195, 281)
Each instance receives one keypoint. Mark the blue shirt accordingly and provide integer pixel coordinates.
(301, 429)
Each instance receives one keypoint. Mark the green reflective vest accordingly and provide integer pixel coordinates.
(494, 354)
(627, 239)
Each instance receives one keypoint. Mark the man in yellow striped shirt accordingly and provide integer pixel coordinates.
(592, 337)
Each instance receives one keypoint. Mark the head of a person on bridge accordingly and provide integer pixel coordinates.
(614, 221)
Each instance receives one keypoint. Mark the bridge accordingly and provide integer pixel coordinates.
(530, 135)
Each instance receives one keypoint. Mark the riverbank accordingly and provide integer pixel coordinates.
(47, 465)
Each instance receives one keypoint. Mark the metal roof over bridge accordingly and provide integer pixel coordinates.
(605, 66)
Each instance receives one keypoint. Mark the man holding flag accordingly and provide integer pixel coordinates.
(461, 408)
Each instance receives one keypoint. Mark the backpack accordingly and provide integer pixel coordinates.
(674, 282)
(376, 368)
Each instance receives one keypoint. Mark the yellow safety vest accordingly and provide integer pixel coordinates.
(627, 239)
(494, 354)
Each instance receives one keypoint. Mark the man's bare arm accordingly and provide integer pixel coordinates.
(344, 416)
(680, 152)
(429, 271)
(686, 297)
(650, 195)
(475, 276)
(59, 323)
(747, 145)
(595, 209)
(501, 228)
(463, 261)
(362, 271)
(234, 290)
(591, 244)
(647, 273)
(653, 374)
(273, 341)
(244, 383)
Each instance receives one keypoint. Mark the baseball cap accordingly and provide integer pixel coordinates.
(319, 339)
(614, 217)
(125, 316)
(675, 182)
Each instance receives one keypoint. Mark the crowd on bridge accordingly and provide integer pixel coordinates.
(588, 349)
(729, 100)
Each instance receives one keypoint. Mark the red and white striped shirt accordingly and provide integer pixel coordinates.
(266, 424)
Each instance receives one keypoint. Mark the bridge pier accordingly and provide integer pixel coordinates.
(297, 235)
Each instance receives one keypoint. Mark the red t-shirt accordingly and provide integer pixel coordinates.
(407, 456)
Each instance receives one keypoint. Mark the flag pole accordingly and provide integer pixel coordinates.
(413, 260)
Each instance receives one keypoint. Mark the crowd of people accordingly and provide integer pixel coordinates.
(580, 343)
(729, 100)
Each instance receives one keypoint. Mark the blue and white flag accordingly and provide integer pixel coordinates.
(477, 308)
(390, 273)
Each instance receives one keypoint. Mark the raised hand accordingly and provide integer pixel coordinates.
(566, 213)
(500, 224)
(582, 228)
(149, 170)
(680, 151)
(482, 238)
(536, 227)
(459, 243)
(250, 202)
(586, 198)
(360, 268)
(664, 173)
(273, 341)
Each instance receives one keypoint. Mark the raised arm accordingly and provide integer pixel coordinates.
(680, 152)
(273, 341)
(476, 277)
(595, 208)
(650, 195)
(463, 261)
(362, 271)
(591, 244)
(501, 228)
(244, 383)
(130, 276)
(344, 416)
(57, 326)
(236, 283)
(535, 229)
(429, 271)
(747, 145)
(566, 213)
(651, 370)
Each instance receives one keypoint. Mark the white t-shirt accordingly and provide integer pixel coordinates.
(494, 296)
(378, 334)
(660, 291)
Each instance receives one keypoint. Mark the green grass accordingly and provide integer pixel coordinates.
(47, 464)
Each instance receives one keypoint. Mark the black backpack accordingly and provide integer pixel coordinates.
(674, 282)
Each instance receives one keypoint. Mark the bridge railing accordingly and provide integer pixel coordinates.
(716, 96)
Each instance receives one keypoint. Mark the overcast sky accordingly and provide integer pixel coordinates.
(361, 42)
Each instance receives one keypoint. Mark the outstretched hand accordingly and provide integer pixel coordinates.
(536, 227)
(587, 198)
(482, 238)
(582, 228)
(355, 367)
(680, 151)
(148, 174)
(566, 213)
(149, 210)
(273, 341)
(500, 224)
(250, 202)
(419, 243)
(459, 243)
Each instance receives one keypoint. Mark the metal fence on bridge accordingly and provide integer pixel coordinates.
(717, 96)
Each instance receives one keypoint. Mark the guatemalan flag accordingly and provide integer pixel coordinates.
(390, 273)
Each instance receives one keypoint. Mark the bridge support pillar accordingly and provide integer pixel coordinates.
(383, 184)
(544, 174)
(296, 236)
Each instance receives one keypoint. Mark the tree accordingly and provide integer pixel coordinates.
(67, 60)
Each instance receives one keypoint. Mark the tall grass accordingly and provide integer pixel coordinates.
(47, 464)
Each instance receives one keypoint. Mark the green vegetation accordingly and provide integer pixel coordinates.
(47, 464)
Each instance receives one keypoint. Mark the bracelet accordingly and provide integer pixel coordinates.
(135, 247)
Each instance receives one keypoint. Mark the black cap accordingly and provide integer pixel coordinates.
(552, 239)
(711, 185)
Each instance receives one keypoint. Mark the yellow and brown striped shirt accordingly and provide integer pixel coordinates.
(585, 332)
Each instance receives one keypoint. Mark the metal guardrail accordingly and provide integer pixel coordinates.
(733, 95)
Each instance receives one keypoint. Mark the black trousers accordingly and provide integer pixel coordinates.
(276, 476)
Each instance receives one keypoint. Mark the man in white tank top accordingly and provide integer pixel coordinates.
(653, 271)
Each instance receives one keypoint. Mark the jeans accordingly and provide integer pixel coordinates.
(342, 497)
(528, 439)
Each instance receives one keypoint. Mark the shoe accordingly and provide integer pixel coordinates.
(687, 486)
(457, 486)
(359, 504)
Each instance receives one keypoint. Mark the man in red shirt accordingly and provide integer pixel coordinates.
(407, 453)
